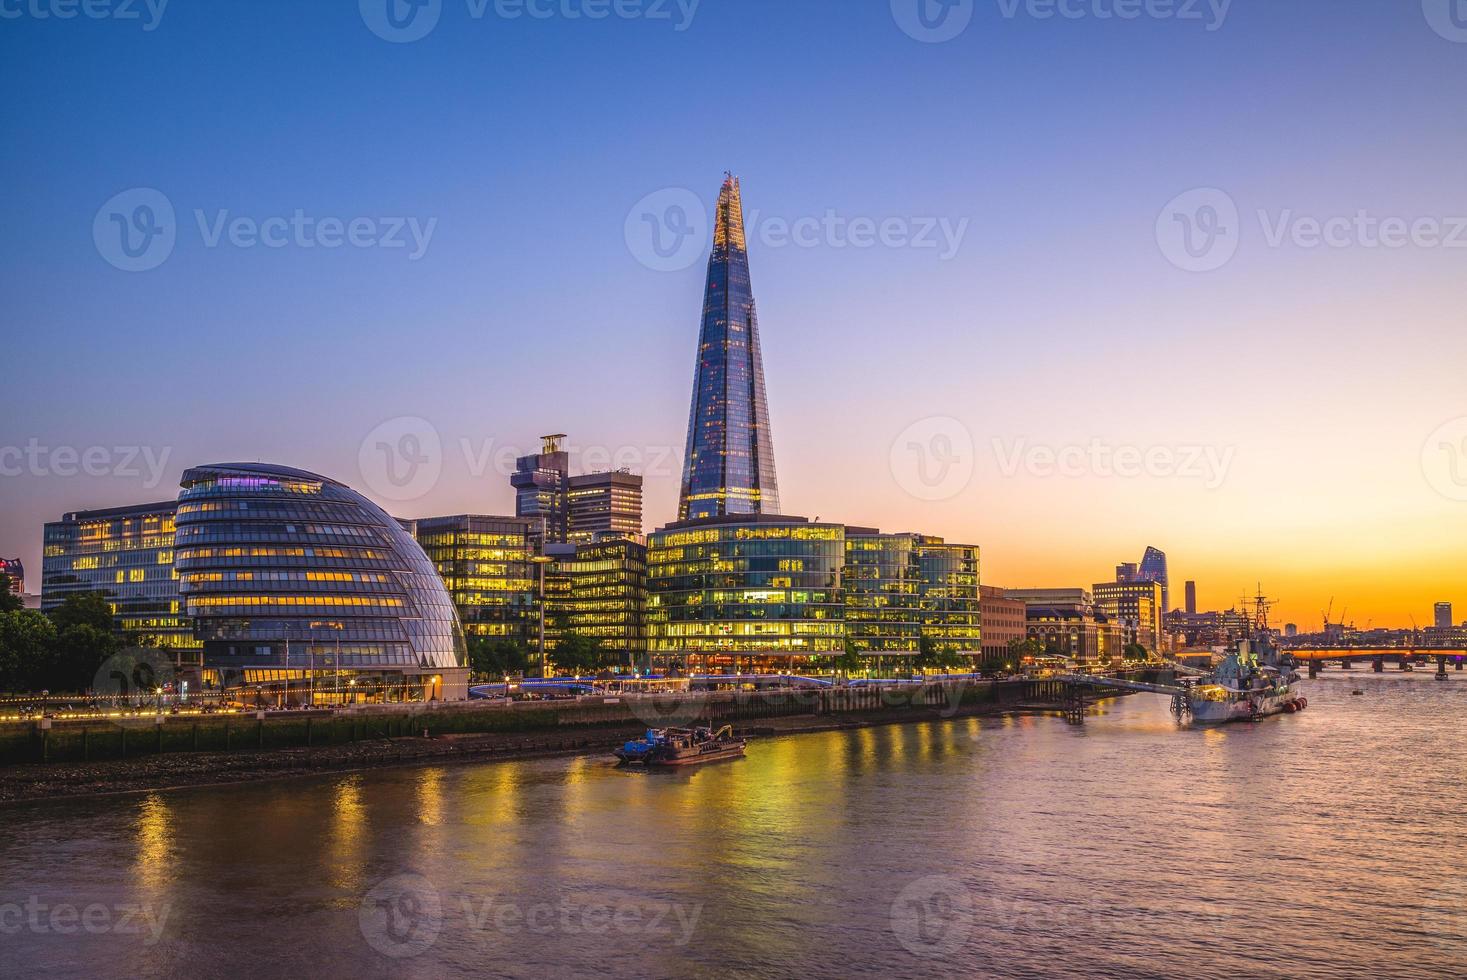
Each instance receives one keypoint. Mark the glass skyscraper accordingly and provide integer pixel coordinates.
(1153, 569)
(728, 468)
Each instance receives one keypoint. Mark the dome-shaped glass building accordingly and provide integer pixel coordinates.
(302, 589)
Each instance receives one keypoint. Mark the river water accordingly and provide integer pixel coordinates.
(1325, 844)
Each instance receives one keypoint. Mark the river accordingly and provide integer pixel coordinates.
(1325, 844)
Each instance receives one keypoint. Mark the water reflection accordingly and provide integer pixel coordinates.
(1131, 846)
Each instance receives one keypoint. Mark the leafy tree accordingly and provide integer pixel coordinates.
(76, 654)
(932, 655)
(1135, 651)
(580, 654)
(495, 657)
(83, 609)
(27, 641)
(9, 601)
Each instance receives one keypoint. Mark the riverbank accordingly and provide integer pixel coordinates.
(152, 773)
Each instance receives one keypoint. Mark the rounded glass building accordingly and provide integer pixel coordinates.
(302, 589)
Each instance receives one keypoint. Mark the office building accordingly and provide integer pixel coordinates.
(882, 582)
(1191, 598)
(1137, 607)
(1153, 569)
(541, 482)
(126, 554)
(1443, 612)
(302, 589)
(603, 505)
(598, 590)
(487, 565)
(750, 592)
(728, 467)
(1005, 620)
(16, 571)
(575, 509)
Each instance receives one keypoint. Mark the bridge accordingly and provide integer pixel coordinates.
(1405, 658)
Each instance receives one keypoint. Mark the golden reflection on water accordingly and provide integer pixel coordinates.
(430, 797)
(153, 866)
(348, 834)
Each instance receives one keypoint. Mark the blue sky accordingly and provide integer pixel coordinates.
(1054, 142)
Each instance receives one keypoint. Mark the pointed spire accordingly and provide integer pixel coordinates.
(729, 224)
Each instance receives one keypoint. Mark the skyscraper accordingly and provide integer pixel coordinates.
(1191, 598)
(729, 464)
(540, 483)
(1443, 615)
(1153, 569)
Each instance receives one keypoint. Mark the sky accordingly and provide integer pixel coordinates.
(1031, 274)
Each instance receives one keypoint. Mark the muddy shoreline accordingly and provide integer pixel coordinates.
(32, 783)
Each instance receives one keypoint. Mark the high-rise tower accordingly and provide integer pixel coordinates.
(729, 464)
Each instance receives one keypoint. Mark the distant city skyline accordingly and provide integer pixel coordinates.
(1011, 306)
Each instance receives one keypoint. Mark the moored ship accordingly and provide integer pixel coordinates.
(1254, 680)
(675, 747)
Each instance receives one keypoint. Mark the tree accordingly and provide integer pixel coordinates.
(27, 642)
(932, 655)
(83, 609)
(497, 656)
(9, 601)
(579, 654)
(1135, 651)
(76, 654)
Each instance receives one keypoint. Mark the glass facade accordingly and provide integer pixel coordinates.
(1153, 569)
(883, 589)
(599, 590)
(540, 484)
(486, 565)
(747, 593)
(127, 554)
(728, 467)
(951, 598)
(288, 574)
(604, 505)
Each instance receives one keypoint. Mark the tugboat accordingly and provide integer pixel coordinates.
(674, 747)
(1254, 680)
